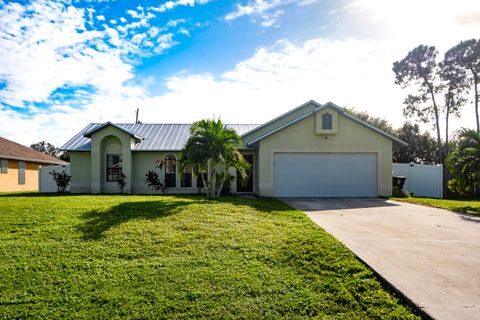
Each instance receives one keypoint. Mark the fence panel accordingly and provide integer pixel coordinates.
(45, 179)
(423, 180)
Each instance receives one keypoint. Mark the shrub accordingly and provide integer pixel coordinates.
(62, 180)
(153, 181)
(122, 182)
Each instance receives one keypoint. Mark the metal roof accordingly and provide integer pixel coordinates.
(155, 136)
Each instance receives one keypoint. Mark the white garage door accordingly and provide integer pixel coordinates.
(325, 175)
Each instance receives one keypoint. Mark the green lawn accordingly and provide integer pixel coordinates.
(465, 206)
(180, 257)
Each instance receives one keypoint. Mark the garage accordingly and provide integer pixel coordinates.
(325, 174)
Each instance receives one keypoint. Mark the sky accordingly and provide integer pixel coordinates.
(64, 64)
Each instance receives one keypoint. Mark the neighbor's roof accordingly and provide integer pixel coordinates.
(15, 151)
(150, 137)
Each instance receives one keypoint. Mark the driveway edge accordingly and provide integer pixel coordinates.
(390, 287)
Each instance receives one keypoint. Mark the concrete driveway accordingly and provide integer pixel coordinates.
(430, 255)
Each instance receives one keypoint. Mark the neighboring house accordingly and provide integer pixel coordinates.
(314, 150)
(19, 166)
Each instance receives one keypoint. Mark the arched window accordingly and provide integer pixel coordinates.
(170, 171)
(327, 121)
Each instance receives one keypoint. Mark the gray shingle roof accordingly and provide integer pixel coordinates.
(156, 137)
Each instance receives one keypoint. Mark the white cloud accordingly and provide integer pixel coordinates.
(174, 23)
(133, 13)
(101, 18)
(266, 10)
(164, 42)
(169, 5)
(38, 56)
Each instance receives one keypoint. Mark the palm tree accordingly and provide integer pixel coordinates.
(464, 162)
(212, 145)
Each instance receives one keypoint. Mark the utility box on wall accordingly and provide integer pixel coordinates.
(423, 180)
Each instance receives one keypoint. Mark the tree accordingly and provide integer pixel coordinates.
(465, 57)
(463, 162)
(377, 122)
(46, 148)
(51, 150)
(421, 146)
(419, 69)
(211, 145)
(454, 87)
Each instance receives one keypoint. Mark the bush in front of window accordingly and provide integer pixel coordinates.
(62, 180)
(153, 181)
(122, 181)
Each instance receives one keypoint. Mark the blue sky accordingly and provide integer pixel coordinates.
(64, 64)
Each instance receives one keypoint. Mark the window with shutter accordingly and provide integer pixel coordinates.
(4, 165)
(21, 172)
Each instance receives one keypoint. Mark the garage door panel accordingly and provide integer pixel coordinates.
(325, 175)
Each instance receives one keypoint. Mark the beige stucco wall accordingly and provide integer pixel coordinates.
(80, 163)
(302, 137)
(9, 180)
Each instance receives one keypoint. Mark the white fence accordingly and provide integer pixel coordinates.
(423, 180)
(45, 179)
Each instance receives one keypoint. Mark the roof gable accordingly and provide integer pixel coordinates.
(89, 133)
(305, 110)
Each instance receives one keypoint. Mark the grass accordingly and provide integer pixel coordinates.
(177, 257)
(464, 206)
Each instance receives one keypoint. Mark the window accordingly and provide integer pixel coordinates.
(327, 121)
(186, 181)
(200, 181)
(170, 171)
(114, 167)
(21, 172)
(4, 165)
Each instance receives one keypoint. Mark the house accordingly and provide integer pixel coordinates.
(19, 166)
(314, 150)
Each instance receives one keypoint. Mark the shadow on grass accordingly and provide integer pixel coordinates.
(97, 222)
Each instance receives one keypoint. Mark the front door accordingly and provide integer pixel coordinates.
(246, 186)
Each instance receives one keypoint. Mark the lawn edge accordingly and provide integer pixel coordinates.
(433, 206)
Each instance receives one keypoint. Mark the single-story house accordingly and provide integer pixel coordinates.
(19, 166)
(314, 150)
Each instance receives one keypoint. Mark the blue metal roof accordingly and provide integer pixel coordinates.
(156, 136)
